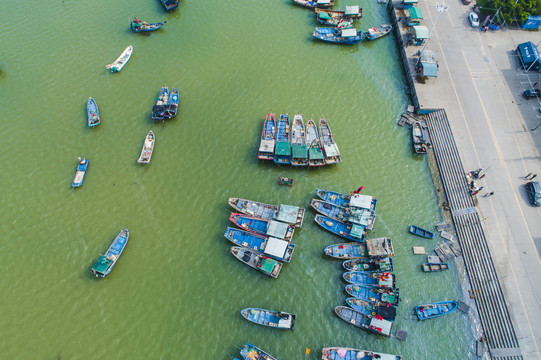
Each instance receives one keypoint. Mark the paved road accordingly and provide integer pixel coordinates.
(480, 88)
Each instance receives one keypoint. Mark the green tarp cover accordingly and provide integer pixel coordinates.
(315, 153)
(277, 229)
(357, 231)
(415, 13)
(299, 151)
(421, 32)
(324, 15)
(288, 214)
(282, 148)
(102, 264)
(267, 265)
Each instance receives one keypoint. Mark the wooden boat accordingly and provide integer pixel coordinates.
(251, 352)
(419, 231)
(330, 210)
(92, 112)
(333, 197)
(333, 17)
(428, 267)
(341, 353)
(370, 248)
(288, 214)
(312, 4)
(148, 148)
(271, 318)
(332, 154)
(386, 311)
(348, 36)
(351, 232)
(268, 138)
(142, 26)
(170, 5)
(119, 63)
(315, 153)
(171, 107)
(282, 149)
(374, 324)
(433, 310)
(257, 260)
(80, 173)
(264, 227)
(105, 263)
(299, 151)
(391, 296)
(419, 144)
(377, 32)
(285, 181)
(158, 110)
(275, 248)
(385, 279)
(369, 265)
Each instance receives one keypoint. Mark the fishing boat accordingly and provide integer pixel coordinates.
(299, 151)
(105, 263)
(92, 112)
(257, 260)
(386, 311)
(362, 210)
(332, 154)
(341, 353)
(419, 231)
(282, 180)
(371, 248)
(433, 310)
(148, 148)
(268, 138)
(288, 214)
(82, 165)
(419, 144)
(282, 149)
(351, 232)
(119, 63)
(171, 107)
(315, 153)
(264, 227)
(170, 5)
(369, 265)
(377, 32)
(333, 197)
(384, 280)
(375, 324)
(391, 296)
(347, 36)
(312, 4)
(158, 110)
(429, 267)
(251, 352)
(330, 210)
(333, 17)
(271, 318)
(275, 248)
(142, 26)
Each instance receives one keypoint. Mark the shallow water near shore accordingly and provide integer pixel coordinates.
(176, 292)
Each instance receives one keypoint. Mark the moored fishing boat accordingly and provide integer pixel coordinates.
(265, 227)
(142, 26)
(105, 263)
(251, 352)
(391, 296)
(433, 310)
(268, 138)
(282, 149)
(92, 112)
(333, 197)
(257, 261)
(312, 4)
(428, 267)
(341, 353)
(377, 32)
(386, 311)
(158, 110)
(333, 17)
(315, 153)
(275, 248)
(384, 280)
(119, 63)
(351, 232)
(362, 210)
(271, 318)
(288, 214)
(419, 144)
(299, 151)
(419, 231)
(369, 265)
(170, 5)
(148, 148)
(330, 210)
(348, 36)
(82, 166)
(374, 324)
(171, 107)
(332, 154)
(370, 248)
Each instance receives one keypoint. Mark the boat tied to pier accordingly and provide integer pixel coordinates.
(375, 324)
(433, 310)
(375, 295)
(348, 36)
(257, 261)
(333, 17)
(288, 214)
(268, 138)
(342, 353)
(371, 248)
(282, 148)
(270, 318)
(275, 248)
(315, 152)
(369, 265)
(377, 32)
(264, 227)
(332, 154)
(299, 150)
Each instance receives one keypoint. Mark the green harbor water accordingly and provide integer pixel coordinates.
(176, 292)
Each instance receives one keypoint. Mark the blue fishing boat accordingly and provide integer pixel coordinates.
(265, 227)
(257, 261)
(431, 267)
(347, 36)
(171, 107)
(374, 324)
(419, 141)
(369, 265)
(268, 138)
(341, 353)
(121, 61)
(351, 232)
(312, 4)
(142, 26)
(385, 280)
(332, 154)
(334, 197)
(362, 210)
(92, 112)
(80, 173)
(251, 352)
(271, 318)
(272, 247)
(330, 210)
(282, 149)
(370, 248)
(386, 311)
(105, 263)
(288, 214)
(430, 311)
(391, 296)
(299, 151)
(158, 110)
(315, 152)
(333, 17)
(170, 5)
(377, 32)
(419, 231)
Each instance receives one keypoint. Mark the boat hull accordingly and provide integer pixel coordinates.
(251, 352)
(341, 353)
(158, 110)
(384, 280)
(270, 318)
(299, 150)
(106, 262)
(264, 227)
(268, 138)
(171, 108)
(390, 296)
(80, 173)
(427, 267)
(364, 322)
(148, 149)
(92, 113)
(275, 248)
(340, 228)
(257, 261)
(386, 311)
(332, 35)
(145, 27)
(378, 32)
(433, 310)
(282, 147)
(416, 230)
(121, 61)
(332, 154)
(369, 265)
(170, 5)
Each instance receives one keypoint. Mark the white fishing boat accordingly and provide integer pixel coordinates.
(148, 148)
(121, 61)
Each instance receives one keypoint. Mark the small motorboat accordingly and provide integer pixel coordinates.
(419, 231)
(148, 148)
(271, 318)
(285, 181)
(142, 26)
(119, 63)
(429, 267)
(433, 310)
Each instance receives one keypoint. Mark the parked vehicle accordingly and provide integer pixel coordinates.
(474, 19)
(532, 93)
(534, 192)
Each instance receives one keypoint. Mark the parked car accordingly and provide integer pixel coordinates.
(531, 93)
(534, 192)
(466, 2)
(474, 19)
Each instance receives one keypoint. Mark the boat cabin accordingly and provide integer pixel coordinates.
(379, 247)
(381, 326)
(351, 10)
(279, 230)
(348, 33)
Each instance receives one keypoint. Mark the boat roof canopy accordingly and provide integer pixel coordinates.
(352, 10)
(267, 265)
(360, 201)
(360, 217)
(323, 2)
(324, 15)
(331, 150)
(415, 13)
(102, 264)
(277, 229)
(349, 32)
(357, 231)
(276, 247)
(287, 214)
(282, 148)
(299, 151)
(382, 325)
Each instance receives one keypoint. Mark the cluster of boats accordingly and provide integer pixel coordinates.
(167, 104)
(296, 145)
